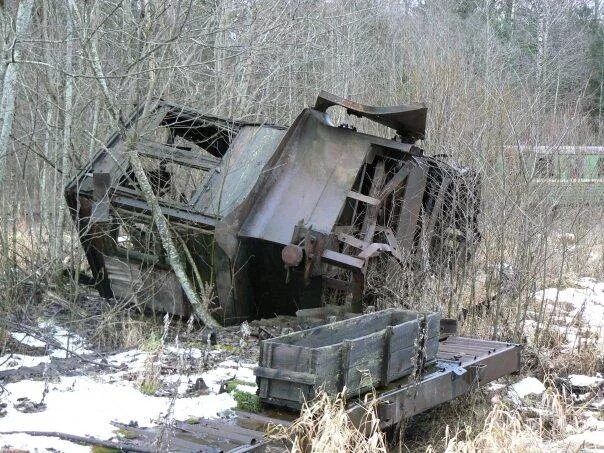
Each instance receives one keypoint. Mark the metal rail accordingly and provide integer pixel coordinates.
(463, 365)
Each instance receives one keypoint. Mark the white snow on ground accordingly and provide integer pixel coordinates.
(66, 339)
(40, 444)
(584, 440)
(61, 336)
(230, 370)
(584, 302)
(578, 315)
(14, 361)
(27, 340)
(527, 386)
(580, 380)
(82, 406)
(86, 405)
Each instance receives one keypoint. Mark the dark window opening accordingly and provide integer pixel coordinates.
(600, 167)
(544, 167)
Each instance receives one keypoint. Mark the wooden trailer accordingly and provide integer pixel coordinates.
(356, 354)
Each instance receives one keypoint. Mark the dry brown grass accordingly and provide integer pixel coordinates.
(504, 431)
(324, 426)
(506, 428)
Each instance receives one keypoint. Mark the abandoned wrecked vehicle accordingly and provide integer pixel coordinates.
(275, 219)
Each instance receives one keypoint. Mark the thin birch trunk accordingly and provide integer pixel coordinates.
(68, 119)
(7, 104)
(9, 87)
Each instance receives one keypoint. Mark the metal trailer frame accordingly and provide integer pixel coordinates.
(463, 365)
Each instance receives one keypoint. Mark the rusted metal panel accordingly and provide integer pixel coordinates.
(240, 169)
(409, 120)
(306, 185)
(101, 183)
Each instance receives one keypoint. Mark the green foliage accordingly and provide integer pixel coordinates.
(229, 348)
(247, 401)
(153, 343)
(99, 449)
(149, 387)
(232, 385)
(126, 434)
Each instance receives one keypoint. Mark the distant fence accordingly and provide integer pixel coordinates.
(571, 174)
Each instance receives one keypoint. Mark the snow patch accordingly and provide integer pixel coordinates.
(27, 340)
(585, 302)
(580, 380)
(14, 361)
(66, 339)
(40, 444)
(593, 439)
(527, 386)
(82, 406)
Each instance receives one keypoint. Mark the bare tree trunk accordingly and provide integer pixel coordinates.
(7, 104)
(68, 119)
(9, 87)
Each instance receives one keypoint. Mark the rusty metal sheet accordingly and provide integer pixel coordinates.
(240, 169)
(256, 188)
(408, 120)
(309, 183)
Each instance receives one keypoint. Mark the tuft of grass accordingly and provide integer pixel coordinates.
(149, 387)
(247, 401)
(232, 385)
(503, 430)
(230, 348)
(153, 343)
(126, 434)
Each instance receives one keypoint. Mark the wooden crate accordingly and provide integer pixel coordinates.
(361, 353)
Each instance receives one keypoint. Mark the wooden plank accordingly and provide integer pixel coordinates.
(396, 180)
(172, 213)
(437, 208)
(352, 241)
(179, 156)
(364, 198)
(411, 207)
(370, 220)
(224, 428)
(393, 243)
(285, 375)
(342, 260)
(334, 283)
